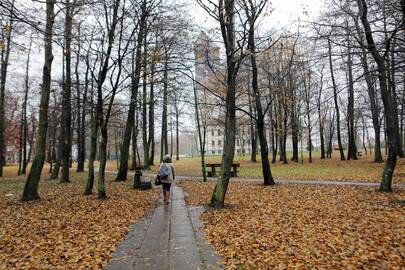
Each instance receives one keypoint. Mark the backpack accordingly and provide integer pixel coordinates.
(164, 171)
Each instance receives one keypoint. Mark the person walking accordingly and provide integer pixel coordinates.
(166, 176)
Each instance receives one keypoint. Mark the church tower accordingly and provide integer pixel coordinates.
(207, 57)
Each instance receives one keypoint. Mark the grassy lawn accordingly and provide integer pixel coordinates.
(304, 227)
(65, 229)
(363, 169)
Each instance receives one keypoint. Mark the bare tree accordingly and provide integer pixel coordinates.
(31, 186)
(6, 34)
(386, 183)
(123, 169)
(335, 98)
(66, 116)
(224, 12)
(253, 9)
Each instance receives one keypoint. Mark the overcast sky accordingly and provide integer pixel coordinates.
(285, 15)
(285, 12)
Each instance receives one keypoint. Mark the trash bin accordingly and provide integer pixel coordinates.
(138, 183)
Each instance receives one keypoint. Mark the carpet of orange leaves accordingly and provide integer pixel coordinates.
(65, 229)
(304, 227)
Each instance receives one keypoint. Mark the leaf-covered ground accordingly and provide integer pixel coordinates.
(304, 227)
(66, 230)
(364, 169)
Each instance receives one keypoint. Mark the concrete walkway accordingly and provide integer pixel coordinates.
(170, 238)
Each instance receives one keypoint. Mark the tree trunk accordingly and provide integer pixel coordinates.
(253, 144)
(372, 97)
(330, 138)
(151, 141)
(80, 166)
(66, 99)
(201, 137)
(164, 147)
(292, 96)
(177, 132)
(280, 129)
(101, 118)
(352, 149)
(5, 54)
(151, 128)
(49, 146)
(136, 134)
(364, 126)
(24, 124)
(218, 196)
(322, 137)
(144, 106)
(294, 134)
(53, 151)
(93, 148)
(335, 97)
(321, 118)
(123, 170)
(31, 186)
(274, 136)
(56, 169)
(284, 137)
(267, 176)
(393, 89)
(80, 113)
(103, 161)
(171, 133)
(20, 152)
(134, 148)
(307, 87)
(227, 13)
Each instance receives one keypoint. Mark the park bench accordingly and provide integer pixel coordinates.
(213, 166)
(359, 153)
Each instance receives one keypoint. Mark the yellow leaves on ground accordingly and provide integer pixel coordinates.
(304, 227)
(364, 169)
(66, 230)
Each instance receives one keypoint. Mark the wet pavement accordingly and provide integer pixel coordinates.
(170, 238)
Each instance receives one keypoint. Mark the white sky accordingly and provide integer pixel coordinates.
(285, 12)
(285, 15)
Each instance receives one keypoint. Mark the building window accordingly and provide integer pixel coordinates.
(213, 143)
(219, 143)
(237, 142)
(213, 152)
(219, 151)
(212, 132)
(219, 132)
